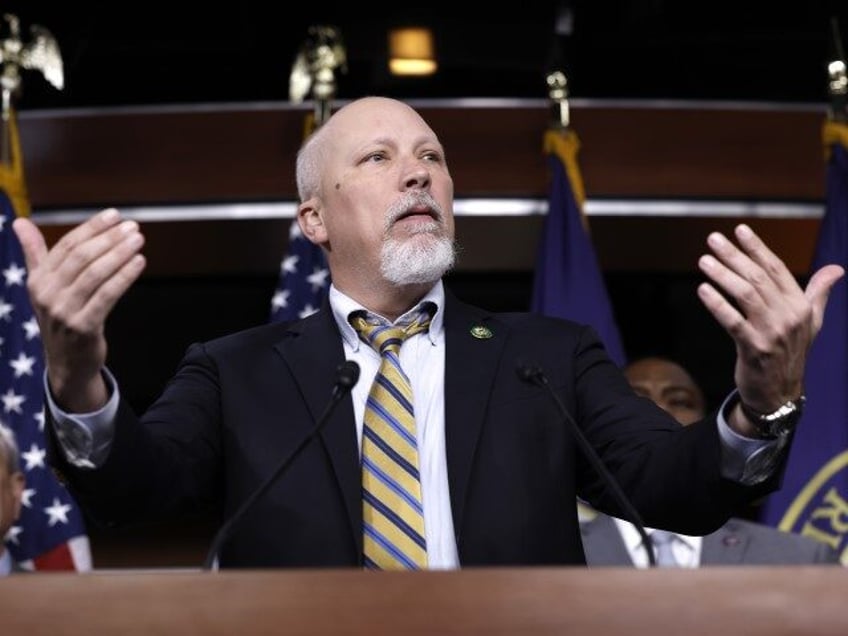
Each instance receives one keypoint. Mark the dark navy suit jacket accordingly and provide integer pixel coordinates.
(239, 404)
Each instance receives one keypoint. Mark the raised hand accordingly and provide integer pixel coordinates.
(770, 318)
(73, 288)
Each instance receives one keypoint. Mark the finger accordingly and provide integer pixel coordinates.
(725, 313)
(775, 269)
(87, 299)
(61, 258)
(759, 288)
(32, 241)
(103, 300)
(818, 291)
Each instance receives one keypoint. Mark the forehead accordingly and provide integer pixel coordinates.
(379, 121)
(659, 372)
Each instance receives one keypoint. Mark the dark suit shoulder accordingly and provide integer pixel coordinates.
(264, 335)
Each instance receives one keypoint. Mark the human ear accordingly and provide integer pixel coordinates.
(311, 222)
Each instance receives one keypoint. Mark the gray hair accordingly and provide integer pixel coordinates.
(309, 159)
(9, 449)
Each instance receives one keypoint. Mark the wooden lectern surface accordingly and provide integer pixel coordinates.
(723, 601)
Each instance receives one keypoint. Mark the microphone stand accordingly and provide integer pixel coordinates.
(535, 375)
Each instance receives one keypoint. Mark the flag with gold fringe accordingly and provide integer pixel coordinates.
(568, 281)
(813, 499)
(50, 533)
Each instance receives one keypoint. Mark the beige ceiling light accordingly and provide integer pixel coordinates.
(411, 51)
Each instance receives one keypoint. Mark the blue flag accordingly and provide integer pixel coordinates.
(304, 276)
(813, 500)
(50, 533)
(304, 279)
(568, 282)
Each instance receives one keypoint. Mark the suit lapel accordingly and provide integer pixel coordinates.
(312, 348)
(474, 342)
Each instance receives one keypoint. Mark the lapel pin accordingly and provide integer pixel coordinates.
(480, 332)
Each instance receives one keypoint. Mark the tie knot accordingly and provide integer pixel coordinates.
(384, 338)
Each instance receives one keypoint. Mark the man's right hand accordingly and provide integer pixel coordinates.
(73, 287)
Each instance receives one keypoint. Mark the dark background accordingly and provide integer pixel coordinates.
(157, 53)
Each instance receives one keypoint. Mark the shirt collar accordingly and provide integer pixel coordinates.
(343, 305)
(633, 540)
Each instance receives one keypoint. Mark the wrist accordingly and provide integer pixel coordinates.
(775, 424)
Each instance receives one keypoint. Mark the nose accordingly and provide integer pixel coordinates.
(417, 176)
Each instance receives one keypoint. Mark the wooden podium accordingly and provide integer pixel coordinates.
(723, 601)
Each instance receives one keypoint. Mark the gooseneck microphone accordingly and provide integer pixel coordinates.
(347, 374)
(535, 375)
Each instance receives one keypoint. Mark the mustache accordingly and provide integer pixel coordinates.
(411, 200)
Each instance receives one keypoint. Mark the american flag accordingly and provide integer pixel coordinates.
(304, 279)
(50, 533)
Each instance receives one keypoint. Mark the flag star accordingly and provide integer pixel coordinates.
(22, 364)
(12, 535)
(308, 310)
(318, 278)
(280, 299)
(289, 264)
(5, 309)
(39, 418)
(57, 512)
(31, 328)
(2, 222)
(14, 275)
(12, 401)
(26, 497)
(294, 231)
(34, 457)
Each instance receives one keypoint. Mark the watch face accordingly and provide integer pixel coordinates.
(779, 423)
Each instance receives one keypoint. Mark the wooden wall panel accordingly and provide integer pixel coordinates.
(246, 153)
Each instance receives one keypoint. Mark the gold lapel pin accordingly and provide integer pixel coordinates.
(481, 332)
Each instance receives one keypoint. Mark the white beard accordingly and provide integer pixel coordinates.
(421, 257)
(417, 259)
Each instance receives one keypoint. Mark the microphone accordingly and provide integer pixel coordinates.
(347, 374)
(535, 375)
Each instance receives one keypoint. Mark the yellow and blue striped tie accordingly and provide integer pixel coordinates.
(392, 508)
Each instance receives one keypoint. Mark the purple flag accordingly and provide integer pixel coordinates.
(568, 281)
(814, 497)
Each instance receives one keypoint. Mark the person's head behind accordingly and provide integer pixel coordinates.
(11, 482)
(376, 194)
(669, 385)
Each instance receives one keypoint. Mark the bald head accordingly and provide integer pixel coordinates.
(669, 385)
(354, 115)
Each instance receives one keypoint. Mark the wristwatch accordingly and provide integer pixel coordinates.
(778, 423)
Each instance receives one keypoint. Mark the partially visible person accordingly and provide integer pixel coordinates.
(613, 541)
(669, 385)
(11, 493)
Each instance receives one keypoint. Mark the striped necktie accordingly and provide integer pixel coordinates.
(392, 509)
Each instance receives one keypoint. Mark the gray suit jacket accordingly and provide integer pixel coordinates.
(738, 542)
